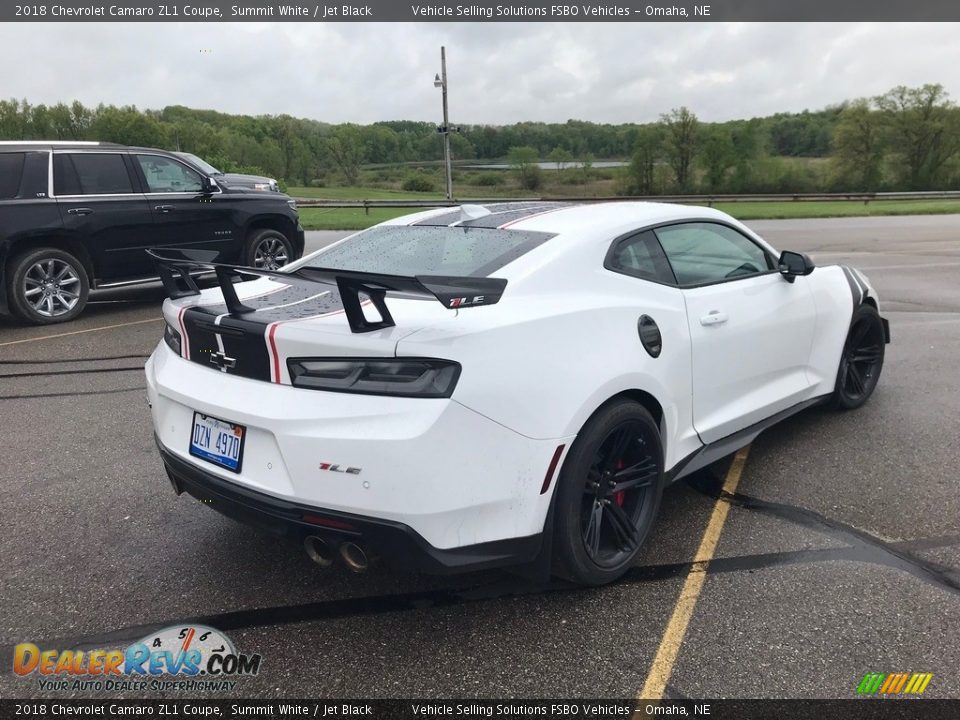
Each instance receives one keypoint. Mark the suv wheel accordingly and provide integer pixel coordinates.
(268, 250)
(47, 286)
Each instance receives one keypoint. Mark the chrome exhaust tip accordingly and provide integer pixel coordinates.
(354, 557)
(319, 550)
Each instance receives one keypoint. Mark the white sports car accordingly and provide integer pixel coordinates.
(500, 385)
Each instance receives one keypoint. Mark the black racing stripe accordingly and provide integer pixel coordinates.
(448, 218)
(243, 342)
(500, 214)
(244, 336)
(855, 290)
(864, 291)
(317, 300)
(293, 302)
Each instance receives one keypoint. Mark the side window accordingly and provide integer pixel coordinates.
(708, 252)
(90, 174)
(11, 170)
(641, 256)
(165, 175)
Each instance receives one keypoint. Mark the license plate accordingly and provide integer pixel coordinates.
(217, 441)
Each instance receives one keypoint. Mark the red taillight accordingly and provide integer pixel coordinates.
(548, 478)
(328, 522)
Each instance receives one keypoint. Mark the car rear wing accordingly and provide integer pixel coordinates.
(178, 268)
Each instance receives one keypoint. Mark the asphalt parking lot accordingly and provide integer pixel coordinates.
(840, 554)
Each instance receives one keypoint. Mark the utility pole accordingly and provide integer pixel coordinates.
(441, 82)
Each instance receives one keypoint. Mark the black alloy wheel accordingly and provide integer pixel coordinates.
(608, 493)
(862, 359)
(619, 486)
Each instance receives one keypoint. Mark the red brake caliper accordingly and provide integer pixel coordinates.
(619, 496)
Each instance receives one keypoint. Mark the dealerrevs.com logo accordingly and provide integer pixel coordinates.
(187, 658)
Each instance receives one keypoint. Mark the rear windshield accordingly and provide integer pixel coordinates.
(426, 250)
(11, 168)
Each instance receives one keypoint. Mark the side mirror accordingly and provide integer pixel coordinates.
(207, 185)
(792, 264)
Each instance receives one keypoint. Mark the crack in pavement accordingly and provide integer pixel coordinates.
(85, 371)
(71, 394)
(62, 361)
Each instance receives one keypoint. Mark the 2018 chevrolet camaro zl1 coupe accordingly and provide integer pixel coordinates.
(496, 385)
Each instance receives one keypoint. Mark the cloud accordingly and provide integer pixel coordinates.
(499, 72)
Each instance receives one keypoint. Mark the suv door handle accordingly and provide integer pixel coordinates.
(164, 208)
(714, 317)
(80, 211)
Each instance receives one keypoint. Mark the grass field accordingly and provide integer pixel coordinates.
(357, 219)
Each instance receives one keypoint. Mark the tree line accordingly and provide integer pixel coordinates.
(906, 139)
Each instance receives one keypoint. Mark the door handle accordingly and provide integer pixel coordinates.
(164, 208)
(80, 211)
(714, 317)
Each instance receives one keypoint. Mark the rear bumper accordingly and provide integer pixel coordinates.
(454, 477)
(399, 544)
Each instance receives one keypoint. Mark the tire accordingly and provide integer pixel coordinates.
(47, 286)
(620, 438)
(268, 250)
(861, 361)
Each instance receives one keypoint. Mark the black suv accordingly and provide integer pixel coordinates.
(76, 216)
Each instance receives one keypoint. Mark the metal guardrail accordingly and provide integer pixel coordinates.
(691, 199)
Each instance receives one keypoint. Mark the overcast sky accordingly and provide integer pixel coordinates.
(499, 73)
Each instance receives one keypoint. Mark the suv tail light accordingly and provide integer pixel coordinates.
(400, 377)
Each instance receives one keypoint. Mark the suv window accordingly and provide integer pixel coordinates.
(641, 256)
(165, 175)
(11, 170)
(708, 252)
(90, 174)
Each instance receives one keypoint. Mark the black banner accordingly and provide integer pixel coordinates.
(479, 709)
(482, 11)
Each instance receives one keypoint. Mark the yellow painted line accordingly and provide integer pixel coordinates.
(80, 332)
(669, 649)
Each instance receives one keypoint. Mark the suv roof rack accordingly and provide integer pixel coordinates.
(55, 142)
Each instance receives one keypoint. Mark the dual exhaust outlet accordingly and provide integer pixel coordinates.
(323, 553)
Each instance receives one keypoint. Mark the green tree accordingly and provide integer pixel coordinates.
(345, 148)
(127, 126)
(647, 152)
(561, 157)
(682, 128)
(718, 155)
(82, 117)
(13, 125)
(523, 161)
(748, 145)
(923, 131)
(858, 147)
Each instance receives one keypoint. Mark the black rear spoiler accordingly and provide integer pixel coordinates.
(178, 267)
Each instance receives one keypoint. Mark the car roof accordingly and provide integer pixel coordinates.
(560, 217)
